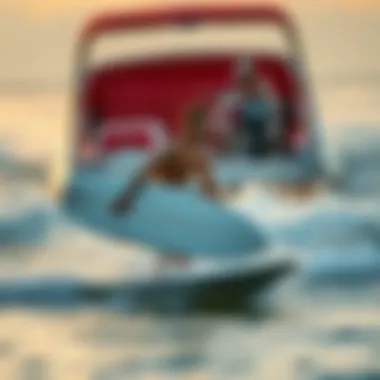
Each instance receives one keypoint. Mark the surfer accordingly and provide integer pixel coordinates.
(183, 162)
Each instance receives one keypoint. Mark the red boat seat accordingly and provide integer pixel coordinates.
(164, 88)
(138, 132)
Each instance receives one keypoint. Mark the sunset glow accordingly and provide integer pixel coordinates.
(44, 9)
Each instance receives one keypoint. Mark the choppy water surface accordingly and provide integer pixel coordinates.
(324, 323)
(321, 324)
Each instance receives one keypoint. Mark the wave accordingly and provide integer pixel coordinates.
(27, 229)
(359, 151)
(339, 238)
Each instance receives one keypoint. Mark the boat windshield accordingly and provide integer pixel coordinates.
(207, 37)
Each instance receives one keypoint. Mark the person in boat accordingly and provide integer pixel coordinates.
(181, 163)
(246, 119)
(256, 116)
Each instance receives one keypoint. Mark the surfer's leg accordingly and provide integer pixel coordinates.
(170, 259)
(230, 191)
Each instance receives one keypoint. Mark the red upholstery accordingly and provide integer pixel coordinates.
(136, 139)
(138, 132)
(163, 88)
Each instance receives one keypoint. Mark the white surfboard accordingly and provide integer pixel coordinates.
(228, 170)
(168, 219)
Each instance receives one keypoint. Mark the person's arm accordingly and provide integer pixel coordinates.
(122, 202)
(208, 185)
(271, 99)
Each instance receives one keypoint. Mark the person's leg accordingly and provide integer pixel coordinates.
(262, 139)
(169, 260)
(250, 142)
(255, 143)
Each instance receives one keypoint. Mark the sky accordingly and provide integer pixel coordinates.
(36, 48)
(37, 37)
(43, 8)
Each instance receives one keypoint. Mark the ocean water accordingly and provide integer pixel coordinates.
(322, 323)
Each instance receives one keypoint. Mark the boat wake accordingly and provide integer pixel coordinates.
(337, 237)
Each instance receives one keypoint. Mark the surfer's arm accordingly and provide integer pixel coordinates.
(129, 194)
(207, 181)
(125, 199)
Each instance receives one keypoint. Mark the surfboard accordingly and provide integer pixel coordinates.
(166, 218)
(228, 170)
(222, 289)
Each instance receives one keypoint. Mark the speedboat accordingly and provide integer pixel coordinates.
(126, 108)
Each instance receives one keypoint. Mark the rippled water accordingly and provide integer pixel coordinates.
(323, 323)
(301, 341)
